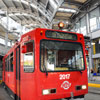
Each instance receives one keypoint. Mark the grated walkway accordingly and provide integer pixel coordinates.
(3, 94)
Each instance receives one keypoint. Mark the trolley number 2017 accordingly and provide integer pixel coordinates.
(64, 76)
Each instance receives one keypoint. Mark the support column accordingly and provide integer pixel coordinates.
(90, 44)
(88, 23)
(6, 34)
(90, 59)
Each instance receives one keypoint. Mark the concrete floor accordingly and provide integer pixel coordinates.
(3, 94)
(94, 94)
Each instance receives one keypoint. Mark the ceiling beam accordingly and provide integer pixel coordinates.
(47, 3)
(18, 17)
(73, 2)
(4, 3)
(61, 18)
(14, 4)
(85, 8)
(45, 24)
(22, 5)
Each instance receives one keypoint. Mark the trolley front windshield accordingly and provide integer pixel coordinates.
(61, 56)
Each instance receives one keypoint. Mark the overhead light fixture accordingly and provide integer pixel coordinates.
(53, 3)
(67, 10)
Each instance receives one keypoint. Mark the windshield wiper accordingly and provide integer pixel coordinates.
(80, 71)
(45, 70)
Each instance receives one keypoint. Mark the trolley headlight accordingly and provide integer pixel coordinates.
(48, 91)
(45, 92)
(84, 87)
(81, 87)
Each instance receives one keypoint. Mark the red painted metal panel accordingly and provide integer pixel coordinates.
(32, 84)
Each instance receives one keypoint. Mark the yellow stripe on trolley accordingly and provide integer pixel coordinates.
(94, 85)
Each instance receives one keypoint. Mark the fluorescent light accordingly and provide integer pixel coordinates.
(67, 10)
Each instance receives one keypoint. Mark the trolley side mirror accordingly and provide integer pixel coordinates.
(24, 49)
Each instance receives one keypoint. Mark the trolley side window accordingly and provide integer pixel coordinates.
(11, 62)
(8, 63)
(29, 58)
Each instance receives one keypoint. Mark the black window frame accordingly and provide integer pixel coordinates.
(11, 63)
(62, 70)
(8, 66)
(46, 33)
(32, 41)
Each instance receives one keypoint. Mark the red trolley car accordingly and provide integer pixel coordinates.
(46, 65)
